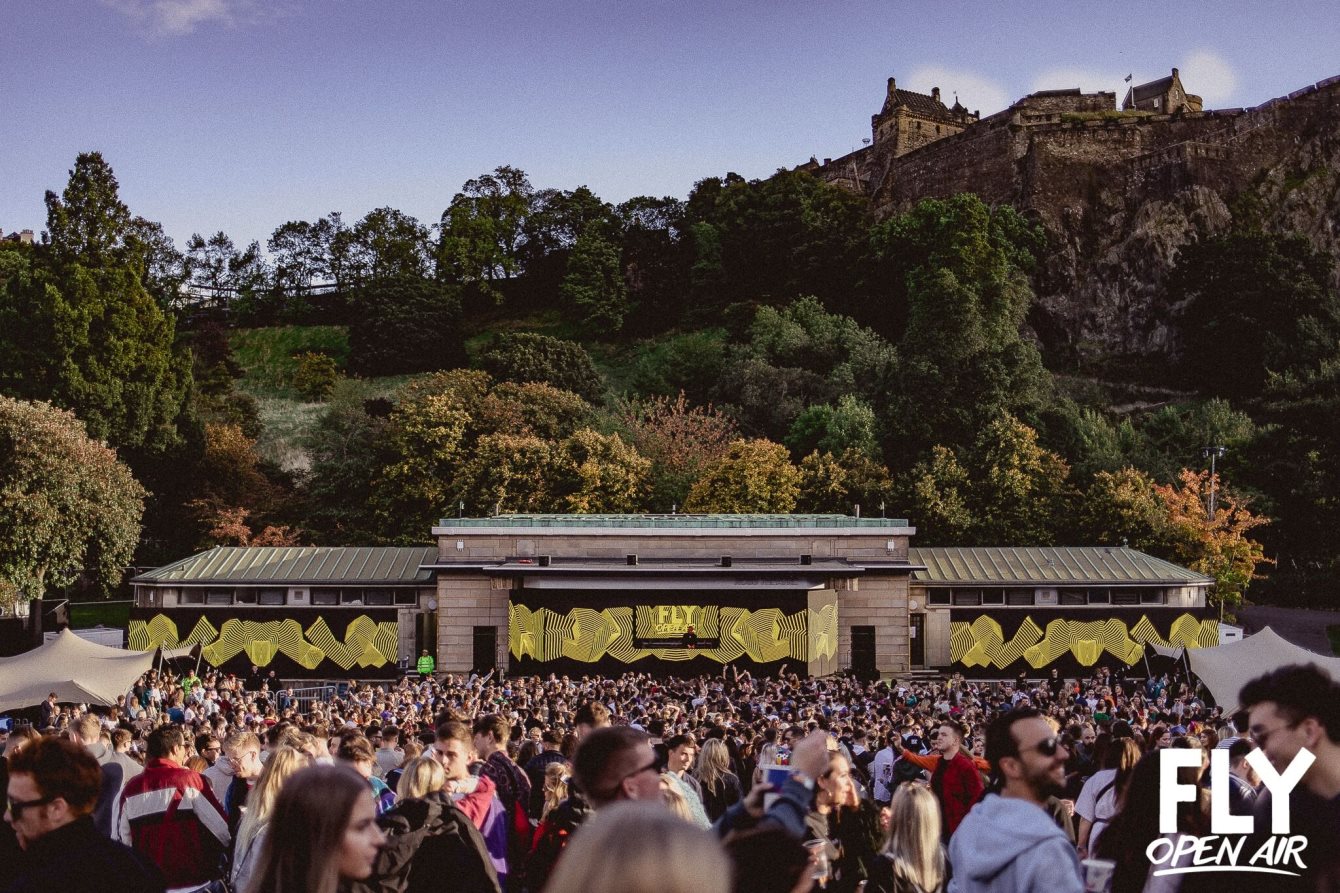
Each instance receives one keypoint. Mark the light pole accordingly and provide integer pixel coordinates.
(1212, 453)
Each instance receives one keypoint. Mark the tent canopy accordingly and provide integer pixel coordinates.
(78, 671)
(1225, 669)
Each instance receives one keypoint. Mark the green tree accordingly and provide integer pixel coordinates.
(837, 484)
(346, 446)
(385, 246)
(752, 476)
(406, 324)
(508, 473)
(1022, 490)
(939, 500)
(316, 375)
(850, 425)
(530, 408)
(525, 356)
(88, 223)
(67, 505)
(1122, 508)
(482, 232)
(600, 473)
(594, 284)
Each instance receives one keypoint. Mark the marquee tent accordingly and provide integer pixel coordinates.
(78, 671)
(1225, 669)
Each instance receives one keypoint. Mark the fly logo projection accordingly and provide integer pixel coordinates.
(1226, 848)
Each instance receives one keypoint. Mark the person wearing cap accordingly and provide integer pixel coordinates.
(426, 665)
(52, 789)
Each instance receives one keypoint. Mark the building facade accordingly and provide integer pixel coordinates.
(1165, 96)
(910, 120)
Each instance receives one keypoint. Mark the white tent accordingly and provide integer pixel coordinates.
(1225, 669)
(78, 671)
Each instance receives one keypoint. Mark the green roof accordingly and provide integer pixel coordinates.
(1048, 566)
(677, 521)
(298, 564)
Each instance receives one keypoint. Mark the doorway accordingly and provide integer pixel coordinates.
(917, 639)
(486, 649)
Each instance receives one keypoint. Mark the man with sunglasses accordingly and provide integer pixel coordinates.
(1008, 841)
(53, 787)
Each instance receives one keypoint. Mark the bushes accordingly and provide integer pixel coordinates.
(316, 375)
(525, 356)
(406, 325)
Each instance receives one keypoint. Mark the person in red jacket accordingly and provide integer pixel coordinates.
(169, 815)
(955, 781)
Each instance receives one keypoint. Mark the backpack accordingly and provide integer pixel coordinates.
(429, 839)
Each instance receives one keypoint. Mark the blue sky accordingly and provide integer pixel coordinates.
(241, 114)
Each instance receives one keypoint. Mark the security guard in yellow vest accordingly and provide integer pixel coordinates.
(426, 665)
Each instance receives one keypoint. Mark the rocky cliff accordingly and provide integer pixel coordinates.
(1119, 195)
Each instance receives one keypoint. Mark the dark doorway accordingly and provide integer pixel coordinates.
(917, 637)
(863, 662)
(425, 635)
(486, 649)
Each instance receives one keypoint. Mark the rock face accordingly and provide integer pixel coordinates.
(1119, 194)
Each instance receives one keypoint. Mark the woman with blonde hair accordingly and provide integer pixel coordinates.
(281, 766)
(913, 859)
(673, 797)
(422, 776)
(721, 787)
(641, 848)
(555, 786)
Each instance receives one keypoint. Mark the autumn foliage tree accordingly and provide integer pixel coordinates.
(1215, 544)
(754, 476)
(679, 439)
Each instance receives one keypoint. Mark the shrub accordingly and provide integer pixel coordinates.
(316, 375)
(526, 356)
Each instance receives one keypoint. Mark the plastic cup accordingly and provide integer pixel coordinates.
(1098, 875)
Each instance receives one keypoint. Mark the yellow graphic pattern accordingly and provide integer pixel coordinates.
(981, 642)
(589, 635)
(367, 643)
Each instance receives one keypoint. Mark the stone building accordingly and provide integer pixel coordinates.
(909, 120)
(1165, 96)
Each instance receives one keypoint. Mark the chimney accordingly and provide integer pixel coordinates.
(893, 85)
(935, 93)
(1174, 72)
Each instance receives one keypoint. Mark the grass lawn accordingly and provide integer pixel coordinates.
(1333, 631)
(85, 615)
(267, 355)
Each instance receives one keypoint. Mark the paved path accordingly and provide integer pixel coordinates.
(1302, 626)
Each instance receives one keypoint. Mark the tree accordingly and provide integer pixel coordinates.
(1022, 490)
(406, 324)
(837, 484)
(385, 246)
(1216, 545)
(938, 497)
(530, 408)
(482, 231)
(347, 448)
(67, 505)
(594, 284)
(210, 262)
(600, 473)
(752, 476)
(230, 528)
(679, 439)
(525, 356)
(162, 267)
(88, 222)
(508, 473)
(850, 425)
(1122, 508)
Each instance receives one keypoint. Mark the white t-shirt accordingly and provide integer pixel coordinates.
(881, 775)
(1098, 802)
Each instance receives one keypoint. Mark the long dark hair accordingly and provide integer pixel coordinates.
(306, 829)
(1136, 824)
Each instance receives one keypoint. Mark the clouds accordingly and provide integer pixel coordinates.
(976, 92)
(1206, 74)
(174, 18)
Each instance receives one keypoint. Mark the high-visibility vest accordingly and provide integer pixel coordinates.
(427, 664)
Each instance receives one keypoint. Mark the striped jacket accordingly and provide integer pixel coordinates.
(170, 816)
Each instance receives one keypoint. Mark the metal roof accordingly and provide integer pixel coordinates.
(1042, 566)
(676, 521)
(299, 564)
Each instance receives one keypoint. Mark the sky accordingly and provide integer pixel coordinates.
(240, 115)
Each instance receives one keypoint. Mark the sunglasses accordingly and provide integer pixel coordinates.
(1047, 746)
(16, 807)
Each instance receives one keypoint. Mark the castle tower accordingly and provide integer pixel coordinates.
(910, 120)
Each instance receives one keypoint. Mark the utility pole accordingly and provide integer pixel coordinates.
(1212, 453)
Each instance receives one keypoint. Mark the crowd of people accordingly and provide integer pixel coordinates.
(732, 783)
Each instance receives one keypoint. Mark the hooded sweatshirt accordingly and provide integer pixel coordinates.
(1008, 845)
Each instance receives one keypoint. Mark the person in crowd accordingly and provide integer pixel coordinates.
(169, 815)
(913, 856)
(475, 795)
(656, 853)
(680, 751)
(848, 826)
(389, 754)
(116, 769)
(720, 787)
(426, 665)
(356, 751)
(555, 787)
(1135, 825)
(241, 758)
(429, 839)
(537, 769)
(1008, 841)
(881, 769)
(1098, 799)
(52, 788)
(247, 846)
(323, 833)
(955, 781)
(769, 860)
(491, 734)
(1291, 709)
(1244, 783)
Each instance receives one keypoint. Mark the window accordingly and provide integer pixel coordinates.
(219, 597)
(325, 596)
(1100, 596)
(993, 597)
(968, 597)
(272, 596)
(246, 596)
(192, 597)
(937, 597)
(406, 597)
(351, 596)
(1019, 597)
(378, 597)
(1126, 597)
(1152, 597)
(1070, 597)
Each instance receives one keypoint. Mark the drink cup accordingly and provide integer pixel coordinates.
(776, 775)
(1098, 875)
